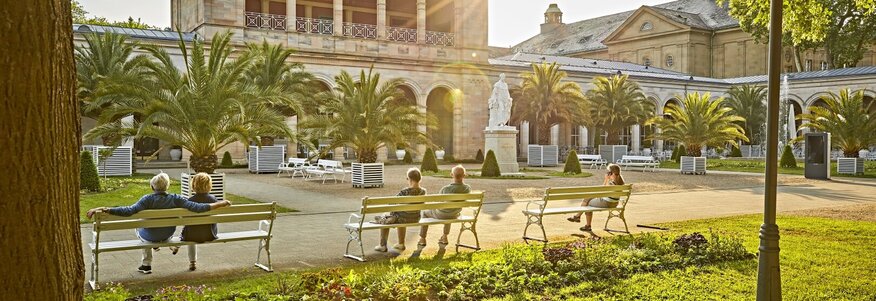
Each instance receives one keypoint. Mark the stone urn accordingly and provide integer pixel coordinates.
(400, 154)
(175, 154)
(439, 154)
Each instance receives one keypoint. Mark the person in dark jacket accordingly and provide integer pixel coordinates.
(202, 184)
(159, 199)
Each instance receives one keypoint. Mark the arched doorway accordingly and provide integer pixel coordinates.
(670, 145)
(868, 104)
(409, 98)
(440, 103)
(302, 151)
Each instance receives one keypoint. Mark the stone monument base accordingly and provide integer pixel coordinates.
(502, 141)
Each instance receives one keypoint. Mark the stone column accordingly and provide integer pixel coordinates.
(421, 21)
(458, 16)
(381, 19)
(290, 14)
(583, 140)
(339, 18)
(266, 5)
(636, 139)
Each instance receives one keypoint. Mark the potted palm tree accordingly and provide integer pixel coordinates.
(846, 117)
(699, 122)
(366, 114)
(749, 102)
(208, 103)
(616, 103)
(545, 98)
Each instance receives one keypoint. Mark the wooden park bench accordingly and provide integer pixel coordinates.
(264, 214)
(294, 167)
(592, 160)
(326, 169)
(644, 162)
(379, 205)
(536, 210)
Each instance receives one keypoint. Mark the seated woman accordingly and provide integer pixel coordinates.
(612, 177)
(202, 184)
(401, 217)
(159, 199)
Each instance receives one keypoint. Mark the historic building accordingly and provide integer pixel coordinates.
(697, 37)
(439, 49)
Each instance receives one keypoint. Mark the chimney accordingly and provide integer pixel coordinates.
(553, 18)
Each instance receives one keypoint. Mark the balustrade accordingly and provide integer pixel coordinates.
(400, 34)
(440, 38)
(265, 21)
(316, 26)
(363, 31)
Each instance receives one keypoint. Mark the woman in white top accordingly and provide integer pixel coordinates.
(612, 177)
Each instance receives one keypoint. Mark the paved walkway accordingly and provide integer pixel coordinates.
(315, 237)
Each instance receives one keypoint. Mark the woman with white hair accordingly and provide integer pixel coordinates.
(158, 199)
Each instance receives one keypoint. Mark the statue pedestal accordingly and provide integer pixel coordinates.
(502, 141)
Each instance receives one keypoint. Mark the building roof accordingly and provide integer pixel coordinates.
(167, 35)
(821, 74)
(587, 35)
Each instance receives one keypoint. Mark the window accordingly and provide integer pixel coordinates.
(823, 65)
(555, 45)
(576, 133)
(669, 61)
(647, 26)
(808, 66)
(585, 39)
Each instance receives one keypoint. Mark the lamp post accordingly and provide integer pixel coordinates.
(768, 274)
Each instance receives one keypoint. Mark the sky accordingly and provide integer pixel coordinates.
(511, 21)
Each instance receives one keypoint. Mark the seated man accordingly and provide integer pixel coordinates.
(458, 174)
(159, 199)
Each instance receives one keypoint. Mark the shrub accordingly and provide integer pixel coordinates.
(480, 156)
(88, 178)
(735, 152)
(572, 164)
(448, 158)
(788, 160)
(674, 156)
(408, 159)
(430, 163)
(682, 151)
(226, 160)
(491, 166)
(687, 242)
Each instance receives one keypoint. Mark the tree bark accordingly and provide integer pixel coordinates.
(40, 133)
(544, 134)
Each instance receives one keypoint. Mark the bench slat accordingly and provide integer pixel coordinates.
(180, 212)
(122, 245)
(171, 221)
(566, 210)
(478, 195)
(422, 222)
(556, 190)
(585, 195)
(418, 207)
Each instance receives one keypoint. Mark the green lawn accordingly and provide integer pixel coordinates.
(758, 166)
(123, 191)
(822, 259)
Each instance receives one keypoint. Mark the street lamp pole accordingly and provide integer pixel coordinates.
(768, 276)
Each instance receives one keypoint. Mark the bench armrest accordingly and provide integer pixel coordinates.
(265, 223)
(539, 203)
(354, 216)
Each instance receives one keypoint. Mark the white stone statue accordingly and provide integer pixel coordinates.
(500, 104)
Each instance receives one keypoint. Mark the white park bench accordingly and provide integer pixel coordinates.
(536, 210)
(294, 167)
(363, 220)
(644, 162)
(264, 214)
(326, 169)
(592, 160)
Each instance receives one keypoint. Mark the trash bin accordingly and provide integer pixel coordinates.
(817, 156)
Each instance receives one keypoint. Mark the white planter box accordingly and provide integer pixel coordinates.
(693, 165)
(850, 166)
(266, 159)
(218, 180)
(542, 155)
(612, 153)
(367, 175)
(119, 163)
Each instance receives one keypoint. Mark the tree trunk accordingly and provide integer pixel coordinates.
(39, 119)
(798, 64)
(206, 164)
(851, 153)
(367, 155)
(544, 134)
(694, 150)
(613, 137)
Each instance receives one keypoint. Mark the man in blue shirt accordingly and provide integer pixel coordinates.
(159, 199)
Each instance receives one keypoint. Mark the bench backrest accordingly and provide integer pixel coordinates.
(377, 205)
(638, 158)
(590, 157)
(622, 192)
(330, 164)
(181, 217)
(297, 161)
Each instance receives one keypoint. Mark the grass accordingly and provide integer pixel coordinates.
(758, 166)
(123, 191)
(821, 259)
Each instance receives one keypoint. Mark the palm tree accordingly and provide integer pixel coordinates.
(546, 99)
(366, 114)
(748, 102)
(103, 58)
(616, 103)
(846, 117)
(207, 105)
(699, 122)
